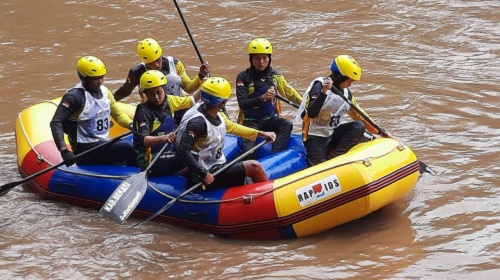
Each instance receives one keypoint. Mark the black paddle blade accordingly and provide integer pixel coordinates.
(424, 168)
(125, 198)
(7, 187)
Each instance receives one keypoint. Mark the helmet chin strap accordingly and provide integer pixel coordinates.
(222, 105)
(82, 78)
(87, 88)
(163, 104)
(338, 79)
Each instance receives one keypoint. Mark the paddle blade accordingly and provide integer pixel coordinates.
(424, 168)
(125, 198)
(7, 187)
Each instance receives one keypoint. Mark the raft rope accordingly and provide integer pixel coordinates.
(39, 156)
(248, 198)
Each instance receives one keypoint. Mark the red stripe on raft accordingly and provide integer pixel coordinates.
(31, 165)
(263, 234)
(357, 193)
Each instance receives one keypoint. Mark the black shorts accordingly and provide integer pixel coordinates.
(168, 164)
(231, 177)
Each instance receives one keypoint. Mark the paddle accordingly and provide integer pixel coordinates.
(194, 43)
(287, 101)
(189, 32)
(423, 166)
(7, 187)
(164, 208)
(201, 57)
(367, 134)
(128, 194)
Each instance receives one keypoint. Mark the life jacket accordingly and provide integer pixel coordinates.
(173, 85)
(330, 116)
(266, 109)
(94, 121)
(165, 127)
(210, 149)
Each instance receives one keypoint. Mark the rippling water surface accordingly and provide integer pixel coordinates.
(430, 76)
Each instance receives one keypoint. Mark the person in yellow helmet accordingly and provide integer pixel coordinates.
(84, 114)
(256, 89)
(200, 140)
(154, 122)
(325, 132)
(152, 58)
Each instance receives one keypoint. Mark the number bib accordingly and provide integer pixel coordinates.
(331, 115)
(210, 152)
(94, 122)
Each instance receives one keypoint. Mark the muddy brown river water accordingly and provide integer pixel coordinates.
(430, 77)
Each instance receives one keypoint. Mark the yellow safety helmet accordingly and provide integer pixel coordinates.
(215, 90)
(260, 46)
(346, 66)
(151, 79)
(149, 50)
(90, 66)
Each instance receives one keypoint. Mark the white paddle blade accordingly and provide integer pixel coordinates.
(125, 198)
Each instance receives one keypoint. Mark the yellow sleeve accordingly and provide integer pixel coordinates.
(177, 103)
(239, 130)
(116, 112)
(287, 91)
(355, 116)
(187, 84)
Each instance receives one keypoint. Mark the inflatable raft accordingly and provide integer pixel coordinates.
(297, 201)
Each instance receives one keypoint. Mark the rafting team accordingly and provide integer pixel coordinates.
(171, 114)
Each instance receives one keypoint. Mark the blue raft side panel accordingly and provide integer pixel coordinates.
(97, 182)
(93, 182)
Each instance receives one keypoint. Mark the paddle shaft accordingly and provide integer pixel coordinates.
(369, 135)
(158, 156)
(287, 101)
(5, 188)
(170, 203)
(361, 113)
(189, 32)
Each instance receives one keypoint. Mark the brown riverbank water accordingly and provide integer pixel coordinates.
(430, 77)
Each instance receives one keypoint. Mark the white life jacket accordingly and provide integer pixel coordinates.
(331, 115)
(94, 121)
(173, 86)
(211, 148)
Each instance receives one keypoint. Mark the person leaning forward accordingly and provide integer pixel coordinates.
(256, 89)
(201, 135)
(84, 114)
(325, 132)
(154, 122)
(151, 55)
